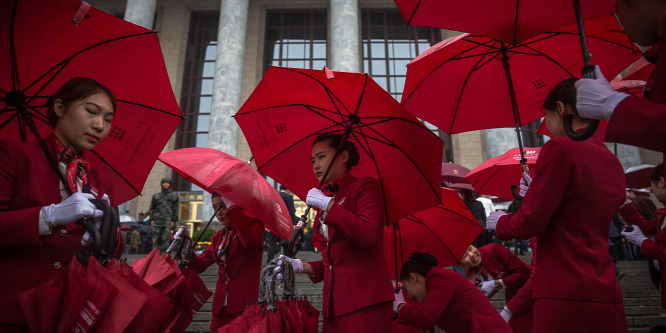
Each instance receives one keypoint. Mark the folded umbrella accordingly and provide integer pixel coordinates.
(155, 270)
(41, 305)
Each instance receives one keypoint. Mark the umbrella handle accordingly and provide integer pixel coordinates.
(293, 246)
(514, 193)
(592, 124)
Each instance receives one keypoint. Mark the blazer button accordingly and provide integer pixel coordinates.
(330, 268)
(57, 265)
(62, 232)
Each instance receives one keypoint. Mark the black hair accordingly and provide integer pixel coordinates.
(73, 90)
(334, 139)
(657, 172)
(645, 207)
(418, 262)
(214, 194)
(515, 206)
(470, 196)
(564, 92)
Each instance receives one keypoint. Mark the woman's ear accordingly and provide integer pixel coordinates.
(662, 182)
(561, 109)
(412, 278)
(59, 107)
(344, 156)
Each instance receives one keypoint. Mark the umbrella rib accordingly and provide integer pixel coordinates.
(116, 172)
(151, 108)
(489, 178)
(68, 59)
(8, 119)
(328, 91)
(409, 22)
(418, 221)
(310, 107)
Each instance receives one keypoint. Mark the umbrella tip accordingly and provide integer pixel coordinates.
(329, 73)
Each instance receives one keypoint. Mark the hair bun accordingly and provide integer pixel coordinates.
(425, 259)
(354, 156)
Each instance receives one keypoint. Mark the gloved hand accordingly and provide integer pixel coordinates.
(399, 299)
(317, 198)
(524, 184)
(635, 236)
(506, 314)
(491, 221)
(296, 264)
(73, 208)
(595, 98)
(487, 287)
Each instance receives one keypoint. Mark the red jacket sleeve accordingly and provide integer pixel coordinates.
(653, 249)
(318, 269)
(364, 226)
(201, 262)
(424, 316)
(517, 271)
(638, 122)
(523, 301)
(249, 230)
(547, 190)
(632, 217)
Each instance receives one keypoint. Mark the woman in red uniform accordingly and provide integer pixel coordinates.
(236, 249)
(348, 230)
(36, 213)
(654, 248)
(577, 188)
(447, 300)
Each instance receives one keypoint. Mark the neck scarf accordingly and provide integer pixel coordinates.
(331, 188)
(75, 165)
(228, 234)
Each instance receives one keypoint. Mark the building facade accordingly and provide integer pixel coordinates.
(216, 52)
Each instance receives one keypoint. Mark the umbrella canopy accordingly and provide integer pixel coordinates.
(470, 82)
(511, 21)
(445, 231)
(453, 176)
(50, 42)
(290, 107)
(235, 180)
(496, 175)
(639, 176)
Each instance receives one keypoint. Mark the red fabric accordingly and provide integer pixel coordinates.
(639, 177)
(559, 210)
(564, 316)
(309, 315)
(397, 327)
(242, 321)
(235, 180)
(460, 84)
(76, 166)
(98, 301)
(502, 264)
(29, 183)
(132, 68)
(453, 304)
(155, 270)
(41, 305)
(218, 321)
(500, 20)
(374, 318)
(187, 299)
(496, 175)
(238, 276)
(637, 122)
(453, 176)
(354, 248)
(290, 107)
(444, 231)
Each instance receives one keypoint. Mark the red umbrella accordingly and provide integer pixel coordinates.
(49, 42)
(235, 180)
(290, 107)
(509, 21)
(453, 176)
(156, 271)
(187, 299)
(639, 176)
(496, 175)
(445, 231)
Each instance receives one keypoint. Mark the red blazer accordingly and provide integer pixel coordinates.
(652, 249)
(454, 304)
(638, 122)
(239, 275)
(502, 264)
(353, 267)
(28, 183)
(576, 190)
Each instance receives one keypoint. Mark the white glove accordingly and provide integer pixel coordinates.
(487, 287)
(296, 264)
(317, 198)
(525, 182)
(506, 314)
(491, 221)
(595, 98)
(635, 237)
(73, 208)
(399, 299)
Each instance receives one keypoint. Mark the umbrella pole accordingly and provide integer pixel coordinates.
(588, 72)
(207, 224)
(293, 247)
(516, 115)
(395, 252)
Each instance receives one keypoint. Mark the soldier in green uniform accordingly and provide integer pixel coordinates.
(163, 215)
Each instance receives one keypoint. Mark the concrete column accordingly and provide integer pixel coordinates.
(227, 85)
(345, 34)
(141, 12)
(499, 140)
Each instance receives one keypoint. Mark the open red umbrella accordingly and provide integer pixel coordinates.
(639, 176)
(219, 172)
(156, 271)
(445, 231)
(453, 176)
(510, 21)
(49, 42)
(496, 175)
(290, 107)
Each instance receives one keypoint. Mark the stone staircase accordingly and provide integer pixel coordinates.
(642, 301)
